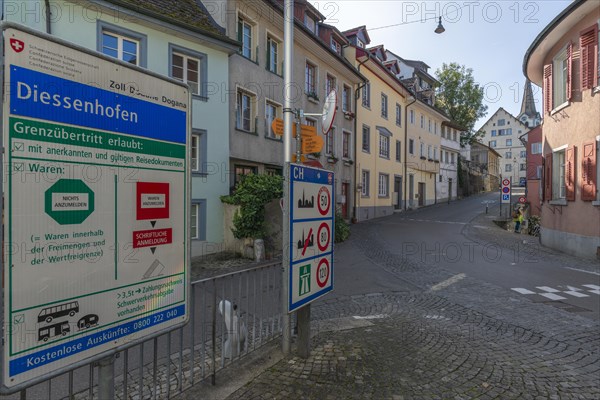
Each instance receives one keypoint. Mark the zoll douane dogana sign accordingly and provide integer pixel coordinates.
(95, 207)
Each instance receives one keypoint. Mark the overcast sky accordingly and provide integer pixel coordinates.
(490, 37)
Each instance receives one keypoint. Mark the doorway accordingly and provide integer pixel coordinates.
(421, 194)
(411, 190)
(397, 192)
(345, 188)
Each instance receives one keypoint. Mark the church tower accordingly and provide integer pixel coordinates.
(528, 115)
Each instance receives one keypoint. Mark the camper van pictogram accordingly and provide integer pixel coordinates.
(87, 321)
(45, 333)
(49, 313)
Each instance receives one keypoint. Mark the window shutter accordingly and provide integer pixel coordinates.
(588, 172)
(240, 32)
(548, 88)
(570, 158)
(588, 44)
(569, 71)
(548, 177)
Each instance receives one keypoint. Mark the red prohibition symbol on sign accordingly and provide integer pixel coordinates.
(323, 236)
(506, 182)
(323, 272)
(323, 200)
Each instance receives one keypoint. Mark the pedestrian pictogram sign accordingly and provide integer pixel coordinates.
(311, 234)
(97, 196)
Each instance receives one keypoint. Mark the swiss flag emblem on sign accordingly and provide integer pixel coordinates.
(17, 45)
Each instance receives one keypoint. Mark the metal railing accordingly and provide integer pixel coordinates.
(231, 315)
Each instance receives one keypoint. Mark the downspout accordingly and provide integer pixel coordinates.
(406, 150)
(48, 17)
(356, 97)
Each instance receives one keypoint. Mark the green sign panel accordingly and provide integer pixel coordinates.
(304, 280)
(69, 201)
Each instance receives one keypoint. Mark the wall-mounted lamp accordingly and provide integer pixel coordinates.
(440, 27)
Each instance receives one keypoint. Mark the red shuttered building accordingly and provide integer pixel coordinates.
(564, 61)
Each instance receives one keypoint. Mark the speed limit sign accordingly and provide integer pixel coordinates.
(324, 200)
(323, 236)
(323, 272)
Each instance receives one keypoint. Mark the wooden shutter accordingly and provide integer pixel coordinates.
(548, 88)
(588, 45)
(548, 177)
(570, 159)
(588, 172)
(569, 85)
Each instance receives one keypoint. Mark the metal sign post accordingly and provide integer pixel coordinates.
(97, 200)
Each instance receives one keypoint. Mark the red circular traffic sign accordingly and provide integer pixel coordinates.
(323, 200)
(522, 200)
(323, 236)
(505, 190)
(323, 272)
(505, 182)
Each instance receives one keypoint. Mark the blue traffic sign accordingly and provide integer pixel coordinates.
(506, 189)
(506, 197)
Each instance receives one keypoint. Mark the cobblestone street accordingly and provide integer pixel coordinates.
(461, 339)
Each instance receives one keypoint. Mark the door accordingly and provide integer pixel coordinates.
(411, 190)
(421, 194)
(449, 189)
(397, 193)
(345, 187)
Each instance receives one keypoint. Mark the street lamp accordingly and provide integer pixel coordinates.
(440, 28)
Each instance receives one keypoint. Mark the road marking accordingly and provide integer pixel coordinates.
(447, 282)
(376, 316)
(597, 291)
(522, 291)
(547, 289)
(583, 270)
(576, 294)
(552, 296)
(595, 287)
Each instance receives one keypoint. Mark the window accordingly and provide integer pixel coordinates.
(509, 131)
(310, 79)
(271, 171)
(272, 54)
(559, 190)
(493, 132)
(310, 23)
(398, 151)
(492, 143)
(384, 146)
(559, 79)
(508, 154)
(523, 154)
(366, 98)
(422, 150)
(435, 128)
(412, 117)
(383, 185)
(398, 115)
(452, 158)
(335, 46)
(429, 154)
(245, 37)
(198, 151)
(189, 67)
(501, 132)
(329, 142)
(244, 111)
(384, 106)
(454, 135)
(538, 172)
(509, 142)
(272, 111)
(366, 139)
(536, 148)
(435, 153)
(508, 168)
(121, 43)
(411, 146)
(346, 98)
(443, 131)
(446, 157)
(365, 183)
(194, 214)
(346, 137)
(501, 122)
(522, 167)
(422, 122)
(240, 171)
(329, 84)
(429, 127)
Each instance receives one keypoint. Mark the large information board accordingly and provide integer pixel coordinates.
(95, 192)
(311, 234)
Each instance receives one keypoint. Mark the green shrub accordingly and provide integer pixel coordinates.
(252, 194)
(341, 228)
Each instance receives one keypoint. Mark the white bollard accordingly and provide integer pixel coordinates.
(237, 333)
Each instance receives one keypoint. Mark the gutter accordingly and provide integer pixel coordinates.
(48, 17)
(356, 97)
(406, 150)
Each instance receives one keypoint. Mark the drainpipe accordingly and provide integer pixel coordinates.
(48, 15)
(356, 166)
(406, 150)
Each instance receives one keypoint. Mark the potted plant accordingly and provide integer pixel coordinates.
(313, 95)
(331, 159)
(348, 115)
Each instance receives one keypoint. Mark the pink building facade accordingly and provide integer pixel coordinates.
(563, 60)
(535, 167)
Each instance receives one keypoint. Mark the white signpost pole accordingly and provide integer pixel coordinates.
(288, 114)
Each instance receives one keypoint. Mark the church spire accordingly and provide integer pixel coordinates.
(529, 115)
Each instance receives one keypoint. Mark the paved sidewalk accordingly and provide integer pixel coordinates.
(428, 341)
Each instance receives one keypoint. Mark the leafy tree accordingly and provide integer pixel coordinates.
(461, 98)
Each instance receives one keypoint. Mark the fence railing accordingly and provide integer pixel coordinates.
(231, 315)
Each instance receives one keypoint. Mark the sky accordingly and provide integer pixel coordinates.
(490, 37)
